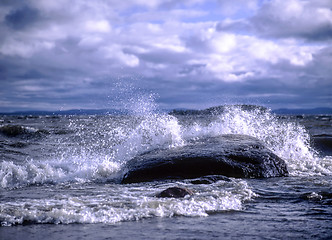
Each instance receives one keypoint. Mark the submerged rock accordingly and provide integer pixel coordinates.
(209, 179)
(21, 131)
(323, 143)
(238, 156)
(12, 130)
(175, 192)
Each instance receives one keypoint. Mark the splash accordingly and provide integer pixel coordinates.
(154, 131)
(96, 147)
(289, 140)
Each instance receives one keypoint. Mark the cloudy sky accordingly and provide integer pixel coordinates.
(67, 54)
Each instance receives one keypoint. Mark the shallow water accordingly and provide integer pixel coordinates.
(59, 177)
(282, 210)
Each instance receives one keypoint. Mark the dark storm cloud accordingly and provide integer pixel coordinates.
(22, 17)
(191, 53)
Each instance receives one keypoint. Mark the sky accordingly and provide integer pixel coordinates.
(82, 54)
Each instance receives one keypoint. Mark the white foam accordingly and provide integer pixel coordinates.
(52, 172)
(127, 203)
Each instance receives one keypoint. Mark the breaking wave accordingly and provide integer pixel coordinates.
(95, 148)
(287, 139)
(112, 204)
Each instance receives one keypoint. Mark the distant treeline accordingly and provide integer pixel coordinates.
(71, 112)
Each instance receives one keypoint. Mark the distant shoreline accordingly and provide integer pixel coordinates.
(280, 111)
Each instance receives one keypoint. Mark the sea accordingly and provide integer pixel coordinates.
(60, 177)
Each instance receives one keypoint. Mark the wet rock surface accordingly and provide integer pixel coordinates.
(238, 156)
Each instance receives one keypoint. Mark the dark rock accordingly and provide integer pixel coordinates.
(174, 192)
(12, 130)
(238, 156)
(323, 197)
(20, 131)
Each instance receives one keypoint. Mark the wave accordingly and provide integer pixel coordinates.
(111, 204)
(13, 175)
(97, 148)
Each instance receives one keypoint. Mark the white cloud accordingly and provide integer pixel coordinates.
(237, 57)
(223, 42)
(115, 52)
(276, 51)
(101, 26)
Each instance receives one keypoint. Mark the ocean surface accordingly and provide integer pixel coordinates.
(60, 178)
